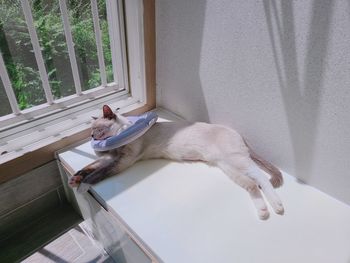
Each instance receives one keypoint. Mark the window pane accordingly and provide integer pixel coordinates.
(5, 107)
(80, 18)
(49, 28)
(18, 55)
(105, 40)
(19, 58)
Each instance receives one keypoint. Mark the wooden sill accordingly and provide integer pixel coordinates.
(33, 159)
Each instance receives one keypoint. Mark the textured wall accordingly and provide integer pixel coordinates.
(277, 71)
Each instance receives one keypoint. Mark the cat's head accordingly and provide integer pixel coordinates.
(107, 125)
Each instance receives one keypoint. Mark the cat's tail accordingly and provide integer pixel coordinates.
(276, 175)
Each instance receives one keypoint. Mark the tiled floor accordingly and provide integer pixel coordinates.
(73, 246)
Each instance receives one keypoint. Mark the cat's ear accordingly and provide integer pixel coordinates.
(108, 113)
(94, 117)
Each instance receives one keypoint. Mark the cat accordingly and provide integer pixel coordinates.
(214, 144)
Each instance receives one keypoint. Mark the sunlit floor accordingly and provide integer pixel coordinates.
(74, 246)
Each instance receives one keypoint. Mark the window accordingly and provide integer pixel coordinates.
(52, 50)
(59, 60)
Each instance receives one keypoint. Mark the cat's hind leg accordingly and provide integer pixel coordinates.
(276, 175)
(249, 185)
(257, 175)
(260, 204)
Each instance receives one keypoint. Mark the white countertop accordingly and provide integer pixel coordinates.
(190, 212)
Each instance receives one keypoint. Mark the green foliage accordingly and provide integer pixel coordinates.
(27, 84)
(16, 47)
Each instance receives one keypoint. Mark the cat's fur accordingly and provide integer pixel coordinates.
(183, 141)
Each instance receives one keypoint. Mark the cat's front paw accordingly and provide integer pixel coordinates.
(278, 208)
(263, 213)
(75, 180)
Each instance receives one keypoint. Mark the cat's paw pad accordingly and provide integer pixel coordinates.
(263, 213)
(278, 208)
(75, 180)
(251, 188)
(276, 181)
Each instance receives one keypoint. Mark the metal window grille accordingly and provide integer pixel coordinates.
(113, 19)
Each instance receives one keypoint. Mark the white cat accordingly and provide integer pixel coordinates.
(183, 141)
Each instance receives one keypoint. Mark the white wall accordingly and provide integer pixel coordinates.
(278, 73)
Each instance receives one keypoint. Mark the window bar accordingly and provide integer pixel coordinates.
(113, 16)
(8, 87)
(37, 50)
(98, 37)
(70, 46)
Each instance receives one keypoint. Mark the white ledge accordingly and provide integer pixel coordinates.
(190, 212)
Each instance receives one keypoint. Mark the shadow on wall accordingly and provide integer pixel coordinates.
(301, 92)
(187, 53)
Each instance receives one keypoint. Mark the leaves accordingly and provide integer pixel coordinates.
(15, 44)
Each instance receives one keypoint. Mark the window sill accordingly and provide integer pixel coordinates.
(38, 146)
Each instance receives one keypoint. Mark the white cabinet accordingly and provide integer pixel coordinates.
(105, 227)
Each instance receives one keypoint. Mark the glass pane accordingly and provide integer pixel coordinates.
(18, 55)
(49, 28)
(5, 107)
(80, 18)
(19, 58)
(105, 40)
